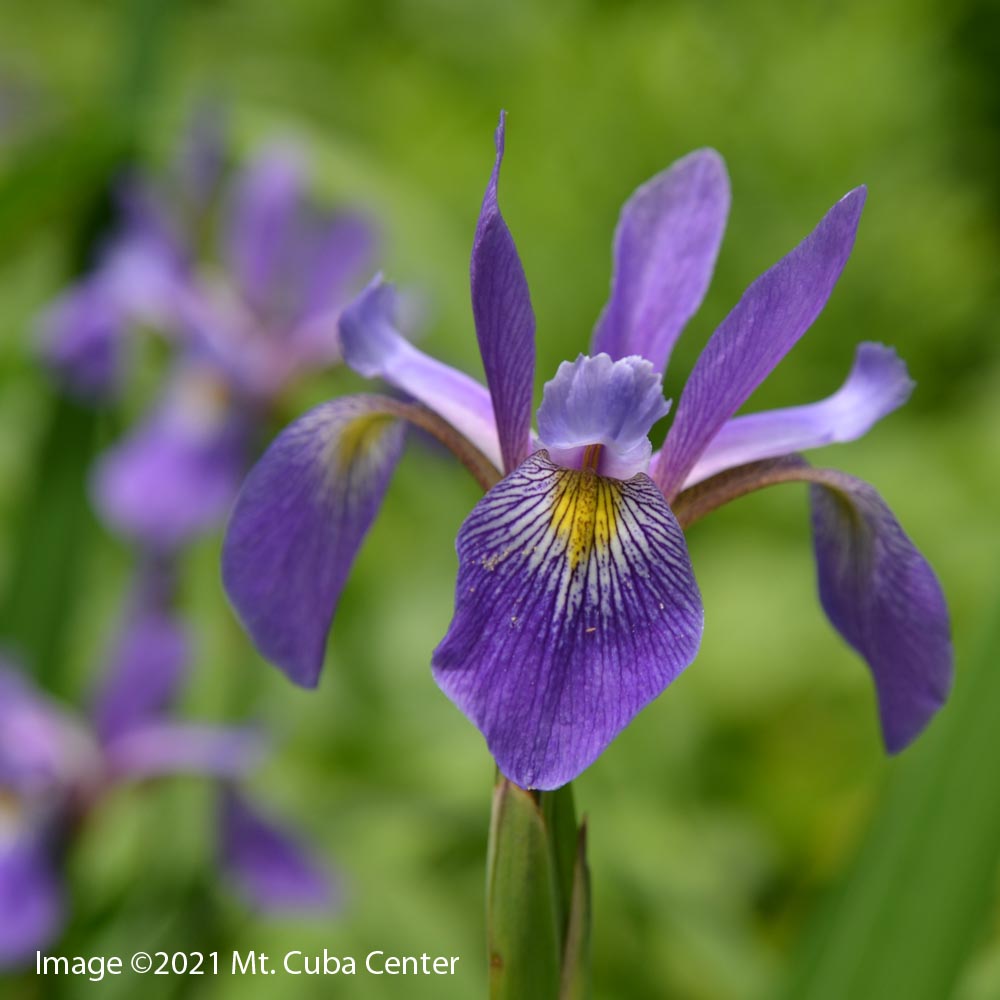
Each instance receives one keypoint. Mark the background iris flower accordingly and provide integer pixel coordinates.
(576, 603)
(58, 767)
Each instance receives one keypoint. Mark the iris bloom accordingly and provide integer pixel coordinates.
(240, 333)
(576, 603)
(56, 768)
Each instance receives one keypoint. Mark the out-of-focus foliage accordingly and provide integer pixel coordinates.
(718, 819)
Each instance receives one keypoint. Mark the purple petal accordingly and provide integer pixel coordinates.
(877, 384)
(374, 348)
(31, 897)
(149, 660)
(154, 749)
(263, 222)
(666, 242)
(42, 747)
(272, 868)
(884, 599)
(505, 323)
(771, 316)
(609, 403)
(575, 606)
(299, 522)
(177, 474)
(343, 250)
(81, 336)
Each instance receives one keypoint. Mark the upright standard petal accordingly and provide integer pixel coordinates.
(263, 222)
(274, 871)
(666, 243)
(575, 606)
(373, 347)
(148, 660)
(877, 384)
(766, 323)
(884, 599)
(299, 522)
(31, 895)
(505, 322)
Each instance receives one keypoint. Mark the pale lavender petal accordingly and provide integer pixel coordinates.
(299, 522)
(263, 221)
(884, 599)
(81, 341)
(32, 907)
(666, 242)
(575, 606)
(341, 255)
(609, 403)
(373, 347)
(178, 473)
(877, 384)
(42, 747)
(148, 661)
(505, 322)
(272, 868)
(155, 749)
(774, 312)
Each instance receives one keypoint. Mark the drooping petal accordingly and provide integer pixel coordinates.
(299, 522)
(148, 660)
(771, 316)
(154, 749)
(177, 474)
(31, 895)
(883, 597)
(877, 384)
(608, 403)
(575, 606)
(373, 347)
(273, 870)
(666, 243)
(81, 341)
(505, 322)
(875, 586)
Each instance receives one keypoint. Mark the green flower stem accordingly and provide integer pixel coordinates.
(538, 896)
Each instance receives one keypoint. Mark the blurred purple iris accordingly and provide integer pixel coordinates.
(576, 603)
(240, 330)
(56, 767)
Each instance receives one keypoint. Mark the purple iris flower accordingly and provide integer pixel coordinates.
(57, 767)
(576, 603)
(241, 332)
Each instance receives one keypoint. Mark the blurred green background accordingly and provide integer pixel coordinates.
(727, 821)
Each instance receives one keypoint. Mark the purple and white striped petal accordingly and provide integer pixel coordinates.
(666, 243)
(774, 312)
(299, 522)
(597, 401)
(148, 661)
(32, 906)
(877, 384)
(505, 322)
(154, 749)
(575, 606)
(374, 348)
(274, 871)
(883, 597)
